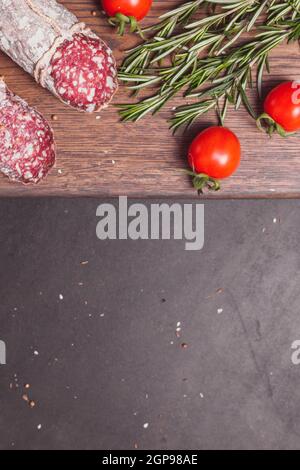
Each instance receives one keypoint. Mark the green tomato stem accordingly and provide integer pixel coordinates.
(201, 181)
(121, 21)
(267, 124)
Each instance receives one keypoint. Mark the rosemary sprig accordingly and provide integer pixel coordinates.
(225, 70)
(233, 76)
(236, 17)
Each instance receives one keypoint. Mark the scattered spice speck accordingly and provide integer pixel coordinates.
(184, 346)
(220, 290)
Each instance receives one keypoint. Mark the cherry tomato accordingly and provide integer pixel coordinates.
(216, 152)
(137, 9)
(282, 105)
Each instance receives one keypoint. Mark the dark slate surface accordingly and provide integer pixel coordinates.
(109, 360)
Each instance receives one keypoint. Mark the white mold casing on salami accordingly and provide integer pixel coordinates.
(27, 148)
(47, 41)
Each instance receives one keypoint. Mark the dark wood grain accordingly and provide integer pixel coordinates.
(108, 158)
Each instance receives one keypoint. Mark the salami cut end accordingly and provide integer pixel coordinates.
(27, 149)
(84, 73)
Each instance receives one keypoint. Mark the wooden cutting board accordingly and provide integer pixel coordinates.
(108, 158)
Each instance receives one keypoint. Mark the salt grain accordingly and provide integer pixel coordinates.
(146, 426)
(219, 311)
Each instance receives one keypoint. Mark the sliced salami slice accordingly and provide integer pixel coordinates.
(27, 149)
(63, 55)
(83, 72)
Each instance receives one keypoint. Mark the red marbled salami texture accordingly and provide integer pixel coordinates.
(27, 148)
(84, 73)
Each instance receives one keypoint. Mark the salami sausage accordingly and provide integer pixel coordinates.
(63, 55)
(27, 149)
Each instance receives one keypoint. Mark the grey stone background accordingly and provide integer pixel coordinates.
(105, 366)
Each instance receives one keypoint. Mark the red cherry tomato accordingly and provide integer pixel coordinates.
(215, 152)
(130, 8)
(283, 106)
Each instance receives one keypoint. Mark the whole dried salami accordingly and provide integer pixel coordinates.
(27, 149)
(63, 55)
